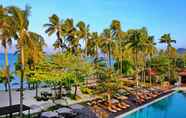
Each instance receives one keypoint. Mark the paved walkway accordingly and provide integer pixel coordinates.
(38, 105)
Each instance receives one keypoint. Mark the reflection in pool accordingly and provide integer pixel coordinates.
(172, 107)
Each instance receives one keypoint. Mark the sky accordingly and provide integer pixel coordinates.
(159, 16)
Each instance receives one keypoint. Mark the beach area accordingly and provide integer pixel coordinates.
(15, 83)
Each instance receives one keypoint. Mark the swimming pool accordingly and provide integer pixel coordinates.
(173, 106)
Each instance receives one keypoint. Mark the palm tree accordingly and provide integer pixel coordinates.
(149, 51)
(84, 33)
(137, 42)
(93, 44)
(34, 55)
(72, 37)
(7, 31)
(120, 42)
(3, 78)
(21, 18)
(166, 38)
(55, 25)
(106, 44)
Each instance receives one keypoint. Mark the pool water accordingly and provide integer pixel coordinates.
(173, 106)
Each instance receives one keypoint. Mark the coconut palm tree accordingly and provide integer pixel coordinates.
(137, 42)
(166, 38)
(149, 51)
(34, 55)
(120, 42)
(72, 37)
(106, 44)
(55, 25)
(93, 44)
(84, 33)
(7, 32)
(21, 18)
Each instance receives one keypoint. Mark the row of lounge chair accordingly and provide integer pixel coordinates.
(121, 102)
(114, 105)
(145, 95)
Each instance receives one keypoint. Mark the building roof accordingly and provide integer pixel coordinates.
(182, 72)
(151, 72)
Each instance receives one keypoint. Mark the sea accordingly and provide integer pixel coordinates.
(12, 59)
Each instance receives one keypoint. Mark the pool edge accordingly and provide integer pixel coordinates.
(145, 105)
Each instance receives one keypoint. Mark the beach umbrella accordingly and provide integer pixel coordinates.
(77, 108)
(49, 115)
(34, 106)
(64, 110)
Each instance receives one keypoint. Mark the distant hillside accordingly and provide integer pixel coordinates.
(181, 50)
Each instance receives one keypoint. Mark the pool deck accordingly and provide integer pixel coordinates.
(147, 104)
(181, 88)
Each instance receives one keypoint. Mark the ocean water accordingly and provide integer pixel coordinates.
(172, 107)
(12, 58)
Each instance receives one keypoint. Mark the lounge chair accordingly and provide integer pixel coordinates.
(114, 106)
(121, 97)
(125, 104)
(137, 99)
(118, 104)
(107, 108)
(152, 94)
(121, 106)
(121, 103)
(143, 96)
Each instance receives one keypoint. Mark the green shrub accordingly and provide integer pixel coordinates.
(85, 90)
(38, 98)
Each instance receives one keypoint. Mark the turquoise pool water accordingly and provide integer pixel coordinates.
(173, 106)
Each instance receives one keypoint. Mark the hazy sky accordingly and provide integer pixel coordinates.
(159, 16)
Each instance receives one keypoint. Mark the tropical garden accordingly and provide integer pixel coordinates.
(82, 55)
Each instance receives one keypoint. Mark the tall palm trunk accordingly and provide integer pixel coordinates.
(75, 91)
(121, 66)
(169, 68)
(109, 99)
(109, 48)
(60, 91)
(59, 39)
(150, 73)
(109, 55)
(21, 82)
(97, 51)
(7, 75)
(121, 61)
(144, 69)
(136, 66)
(86, 44)
(36, 89)
(6, 88)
